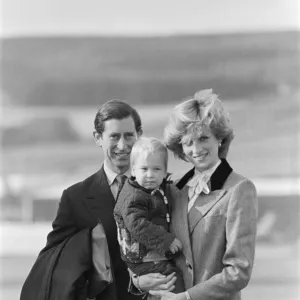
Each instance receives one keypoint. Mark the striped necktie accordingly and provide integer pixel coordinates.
(121, 180)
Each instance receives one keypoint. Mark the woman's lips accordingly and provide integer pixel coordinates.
(121, 154)
(200, 157)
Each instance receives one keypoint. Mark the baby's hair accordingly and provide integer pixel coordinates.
(146, 146)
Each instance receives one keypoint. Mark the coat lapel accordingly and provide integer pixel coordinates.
(99, 200)
(181, 227)
(180, 221)
(220, 175)
(202, 206)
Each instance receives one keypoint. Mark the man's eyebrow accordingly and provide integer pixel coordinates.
(120, 133)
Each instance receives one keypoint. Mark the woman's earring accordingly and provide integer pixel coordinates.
(220, 144)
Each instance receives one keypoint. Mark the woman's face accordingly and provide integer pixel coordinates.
(201, 148)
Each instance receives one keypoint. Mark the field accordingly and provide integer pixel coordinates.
(275, 274)
(266, 140)
(51, 89)
(265, 147)
(83, 70)
(264, 285)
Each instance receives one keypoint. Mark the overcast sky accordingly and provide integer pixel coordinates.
(146, 17)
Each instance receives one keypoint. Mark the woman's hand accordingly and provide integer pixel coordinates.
(168, 295)
(157, 281)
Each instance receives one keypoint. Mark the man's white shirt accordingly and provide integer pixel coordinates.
(112, 179)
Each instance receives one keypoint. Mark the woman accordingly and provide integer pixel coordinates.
(215, 209)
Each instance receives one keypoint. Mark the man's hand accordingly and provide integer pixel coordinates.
(175, 246)
(157, 281)
(168, 295)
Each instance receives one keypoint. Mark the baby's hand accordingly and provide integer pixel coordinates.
(175, 246)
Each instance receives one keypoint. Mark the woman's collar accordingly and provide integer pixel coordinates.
(217, 179)
(210, 171)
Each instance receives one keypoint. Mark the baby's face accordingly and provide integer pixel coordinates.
(149, 170)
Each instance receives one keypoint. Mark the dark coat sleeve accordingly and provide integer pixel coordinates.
(37, 283)
(59, 272)
(61, 266)
(64, 225)
(136, 219)
(69, 277)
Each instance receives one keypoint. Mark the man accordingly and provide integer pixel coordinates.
(63, 267)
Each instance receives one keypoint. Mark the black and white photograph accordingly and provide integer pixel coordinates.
(150, 150)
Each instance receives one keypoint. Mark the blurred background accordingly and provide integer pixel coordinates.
(61, 59)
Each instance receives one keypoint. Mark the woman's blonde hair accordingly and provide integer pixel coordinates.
(146, 146)
(204, 109)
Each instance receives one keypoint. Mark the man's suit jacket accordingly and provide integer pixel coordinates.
(81, 208)
(218, 235)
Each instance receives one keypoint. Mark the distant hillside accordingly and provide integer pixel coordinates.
(90, 70)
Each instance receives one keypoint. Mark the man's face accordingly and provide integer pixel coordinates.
(116, 142)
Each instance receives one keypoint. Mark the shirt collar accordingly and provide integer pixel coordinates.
(208, 172)
(198, 183)
(217, 179)
(111, 175)
(203, 177)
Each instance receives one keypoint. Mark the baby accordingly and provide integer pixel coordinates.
(142, 214)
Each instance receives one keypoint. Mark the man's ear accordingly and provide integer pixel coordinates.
(97, 138)
(139, 133)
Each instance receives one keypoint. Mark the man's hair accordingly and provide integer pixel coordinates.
(146, 146)
(116, 109)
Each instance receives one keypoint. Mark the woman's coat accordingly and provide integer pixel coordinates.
(218, 234)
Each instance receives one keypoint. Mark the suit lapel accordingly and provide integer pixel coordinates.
(202, 206)
(180, 221)
(100, 201)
